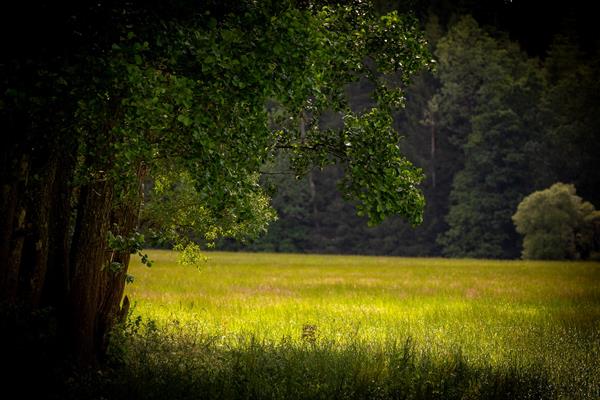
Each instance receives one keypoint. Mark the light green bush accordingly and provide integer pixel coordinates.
(557, 224)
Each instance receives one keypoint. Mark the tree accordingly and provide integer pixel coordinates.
(179, 92)
(315, 218)
(488, 97)
(570, 109)
(557, 224)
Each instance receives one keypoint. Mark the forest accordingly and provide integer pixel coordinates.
(510, 108)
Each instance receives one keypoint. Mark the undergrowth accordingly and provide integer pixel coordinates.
(149, 362)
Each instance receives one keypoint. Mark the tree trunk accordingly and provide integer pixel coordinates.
(311, 183)
(13, 229)
(433, 147)
(125, 221)
(88, 258)
(57, 279)
(313, 200)
(37, 243)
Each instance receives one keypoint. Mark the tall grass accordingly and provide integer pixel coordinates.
(297, 326)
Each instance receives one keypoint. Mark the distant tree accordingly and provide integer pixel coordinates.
(570, 109)
(557, 224)
(487, 104)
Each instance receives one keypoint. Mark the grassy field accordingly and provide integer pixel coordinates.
(530, 323)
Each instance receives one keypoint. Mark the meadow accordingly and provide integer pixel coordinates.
(248, 325)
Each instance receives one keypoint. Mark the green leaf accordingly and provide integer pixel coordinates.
(184, 119)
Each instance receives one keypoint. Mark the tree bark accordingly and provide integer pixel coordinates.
(433, 148)
(313, 200)
(13, 230)
(124, 220)
(8, 208)
(311, 183)
(57, 279)
(88, 258)
(37, 243)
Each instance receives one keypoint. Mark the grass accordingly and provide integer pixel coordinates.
(311, 326)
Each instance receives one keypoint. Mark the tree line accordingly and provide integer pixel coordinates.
(493, 122)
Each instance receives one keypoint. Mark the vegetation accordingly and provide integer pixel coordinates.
(557, 224)
(128, 125)
(310, 326)
(503, 114)
(197, 97)
(489, 118)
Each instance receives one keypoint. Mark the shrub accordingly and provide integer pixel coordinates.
(557, 224)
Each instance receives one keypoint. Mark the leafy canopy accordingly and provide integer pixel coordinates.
(556, 224)
(205, 102)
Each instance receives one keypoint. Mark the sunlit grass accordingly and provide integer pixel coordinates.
(496, 313)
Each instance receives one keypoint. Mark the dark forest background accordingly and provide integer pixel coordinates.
(512, 106)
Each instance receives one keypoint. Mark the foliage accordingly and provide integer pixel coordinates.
(300, 61)
(571, 116)
(495, 107)
(475, 126)
(395, 174)
(132, 245)
(314, 217)
(173, 205)
(179, 94)
(557, 224)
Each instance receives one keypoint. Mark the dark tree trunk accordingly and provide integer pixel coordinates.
(34, 262)
(57, 277)
(8, 207)
(432, 154)
(311, 182)
(124, 220)
(54, 254)
(313, 200)
(88, 258)
(13, 228)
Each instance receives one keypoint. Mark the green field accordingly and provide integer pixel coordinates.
(539, 319)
